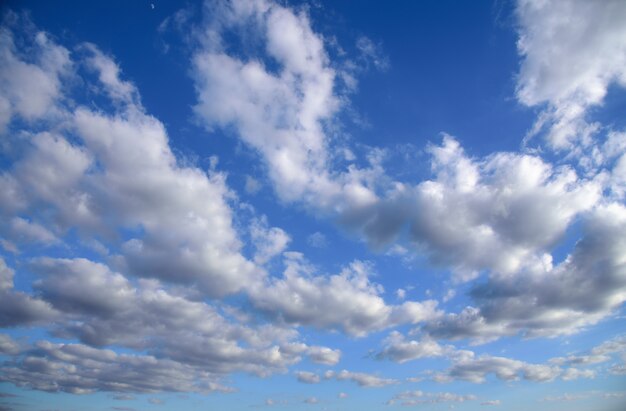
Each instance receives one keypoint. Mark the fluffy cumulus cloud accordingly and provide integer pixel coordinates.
(572, 52)
(149, 318)
(469, 367)
(545, 300)
(170, 225)
(83, 183)
(29, 89)
(347, 301)
(398, 349)
(498, 210)
(360, 378)
(308, 377)
(584, 365)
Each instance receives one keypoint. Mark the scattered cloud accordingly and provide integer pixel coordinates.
(398, 349)
(362, 379)
(411, 398)
(317, 240)
(307, 377)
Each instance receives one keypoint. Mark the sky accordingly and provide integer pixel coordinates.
(311, 205)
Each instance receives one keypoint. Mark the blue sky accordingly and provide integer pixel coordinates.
(252, 204)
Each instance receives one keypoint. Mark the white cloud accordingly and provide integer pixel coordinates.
(23, 230)
(575, 373)
(495, 213)
(268, 241)
(547, 300)
(572, 50)
(18, 308)
(324, 355)
(317, 240)
(83, 182)
(398, 349)
(346, 301)
(307, 377)
(102, 308)
(6, 276)
(80, 369)
(362, 379)
(467, 367)
(491, 402)
(29, 89)
(372, 53)
(8, 346)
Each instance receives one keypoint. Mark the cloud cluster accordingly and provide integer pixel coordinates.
(29, 89)
(19, 308)
(348, 301)
(170, 225)
(494, 213)
(360, 378)
(572, 52)
(398, 349)
(547, 300)
(102, 308)
(467, 367)
(79, 369)
(498, 212)
(82, 182)
(163, 239)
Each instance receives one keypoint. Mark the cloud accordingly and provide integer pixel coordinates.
(362, 379)
(312, 400)
(495, 213)
(268, 241)
(29, 90)
(252, 185)
(317, 240)
(467, 367)
(324, 355)
(411, 398)
(491, 402)
(346, 301)
(575, 373)
(102, 308)
(598, 354)
(307, 377)
(548, 300)
(8, 346)
(398, 349)
(372, 53)
(572, 52)
(82, 182)
(77, 369)
(18, 308)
